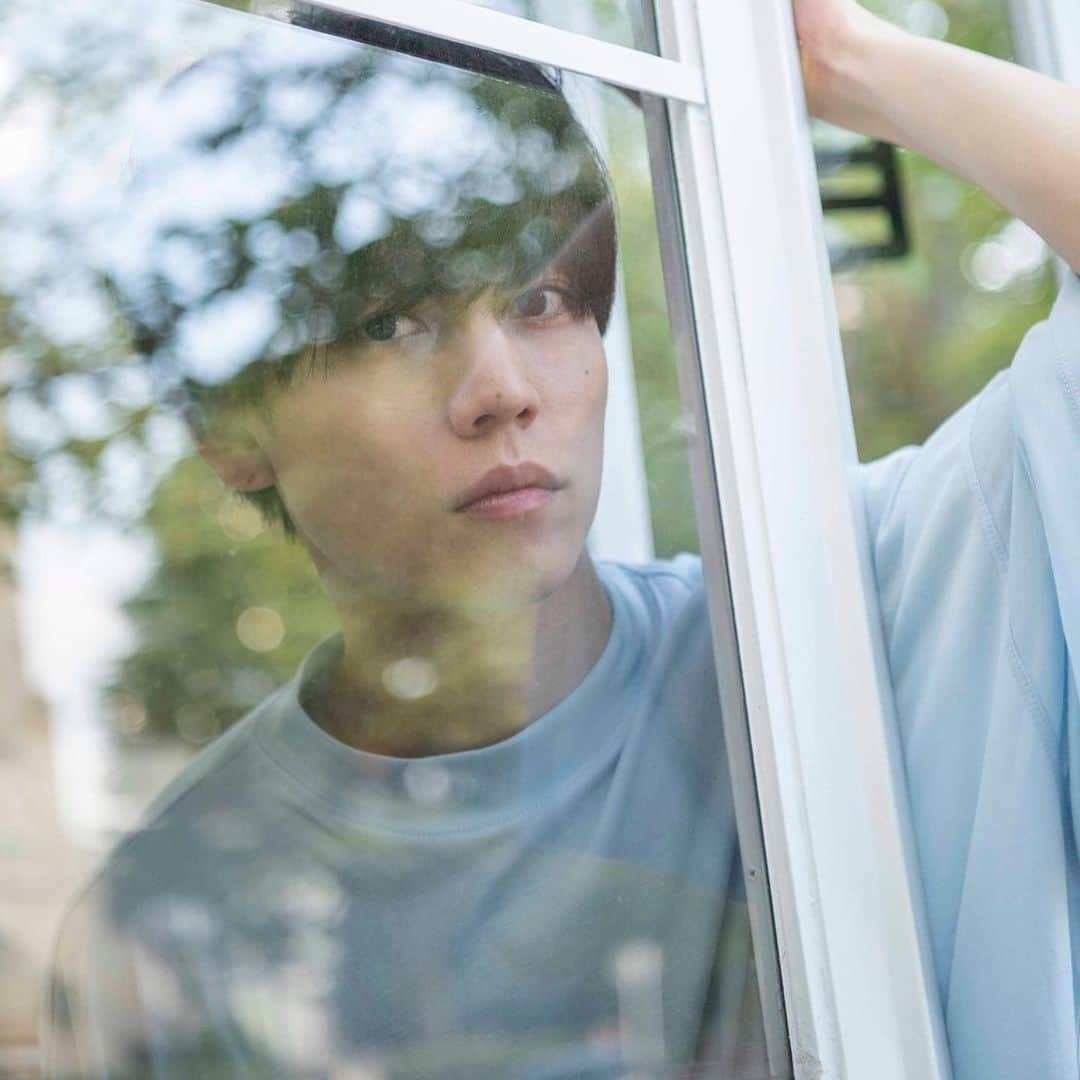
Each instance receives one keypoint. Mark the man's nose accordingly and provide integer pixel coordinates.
(492, 388)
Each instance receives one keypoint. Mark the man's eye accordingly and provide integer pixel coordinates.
(545, 302)
(391, 327)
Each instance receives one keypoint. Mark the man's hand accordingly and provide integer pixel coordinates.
(829, 31)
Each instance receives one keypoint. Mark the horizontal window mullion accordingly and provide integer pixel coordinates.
(469, 24)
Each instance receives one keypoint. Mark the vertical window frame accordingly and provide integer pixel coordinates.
(858, 978)
(1047, 36)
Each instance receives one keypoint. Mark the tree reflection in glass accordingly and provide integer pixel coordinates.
(486, 829)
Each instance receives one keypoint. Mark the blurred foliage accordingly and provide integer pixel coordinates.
(922, 335)
(225, 618)
(230, 608)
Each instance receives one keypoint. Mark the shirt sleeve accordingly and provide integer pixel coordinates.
(91, 1014)
(976, 550)
(114, 1009)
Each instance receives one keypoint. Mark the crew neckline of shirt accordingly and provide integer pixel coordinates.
(469, 790)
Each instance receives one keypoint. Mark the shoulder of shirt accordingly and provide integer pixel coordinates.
(668, 633)
(681, 572)
(219, 755)
(664, 599)
(972, 455)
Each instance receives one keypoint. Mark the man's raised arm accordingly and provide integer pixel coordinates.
(1013, 132)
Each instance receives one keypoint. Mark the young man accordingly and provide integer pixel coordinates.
(486, 830)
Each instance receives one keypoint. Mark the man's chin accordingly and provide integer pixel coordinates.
(503, 587)
(454, 571)
(477, 592)
(513, 591)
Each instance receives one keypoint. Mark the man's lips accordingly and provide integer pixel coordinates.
(510, 504)
(508, 491)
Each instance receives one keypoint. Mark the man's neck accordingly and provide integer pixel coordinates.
(417, 679)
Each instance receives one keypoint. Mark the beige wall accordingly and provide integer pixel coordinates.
(39, 867)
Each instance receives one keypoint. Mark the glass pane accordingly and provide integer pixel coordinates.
(351, 739)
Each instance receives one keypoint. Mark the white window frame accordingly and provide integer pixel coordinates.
(859, 988)
(778, 504)
(469, 24)
(1047, 36)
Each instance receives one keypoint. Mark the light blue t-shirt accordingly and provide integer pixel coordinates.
(565, 903)
(976, 543)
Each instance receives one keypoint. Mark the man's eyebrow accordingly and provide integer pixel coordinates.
(390, 298)
(552, 271)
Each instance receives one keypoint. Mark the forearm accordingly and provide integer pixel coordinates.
(1011, 131)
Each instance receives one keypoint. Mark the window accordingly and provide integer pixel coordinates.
(343, 756)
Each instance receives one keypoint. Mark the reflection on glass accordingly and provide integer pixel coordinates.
(308, 337)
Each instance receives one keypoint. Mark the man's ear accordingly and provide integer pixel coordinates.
(230, 447)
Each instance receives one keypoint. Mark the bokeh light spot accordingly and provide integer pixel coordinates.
(260, 629)
(240, 520)
(410, 678)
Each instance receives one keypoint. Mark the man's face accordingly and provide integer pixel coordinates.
(383, 462)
